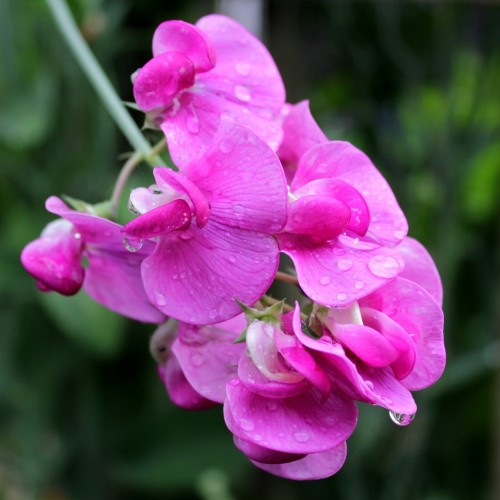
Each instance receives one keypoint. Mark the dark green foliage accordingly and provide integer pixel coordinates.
(82, 412)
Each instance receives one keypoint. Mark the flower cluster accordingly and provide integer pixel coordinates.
(256, 177)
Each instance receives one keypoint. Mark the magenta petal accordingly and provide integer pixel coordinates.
(418, 313)
(298, 358)
(184, 38)
(264, 455)
(367, 344)
(164, 219)
(312, 466)
(336, 274)
(208, 357)
(196, 276)
(245, 71)
(334, 188)
(341, 160)
(243, 180)
(179, 390)
(420, 268)
(167, 178)
(317, 216)
(114, 280)
(159, 81)
(397, 336)
(255, 381)
(300, 132)
(54, 259)
(300, 424)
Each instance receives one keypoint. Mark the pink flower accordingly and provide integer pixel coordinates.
(389, 343)
(199, 74)
(343, 220)
(277, 400)
(112, 276)
(214, 223)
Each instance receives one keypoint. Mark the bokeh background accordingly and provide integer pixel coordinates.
(416, 85)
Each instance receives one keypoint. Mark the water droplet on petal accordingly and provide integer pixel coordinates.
(243, 68)
(359, 285)
(399, 234)
(344, 264)
(197, 359)
(213, 313)
(246, 425)
(384, 266)
(186, 236)
(301, 437)
(132, 247)
(232, 259)
(242, 93)
(77, 236)
(402, 419)
(341, 296)
(272, 405)
(325, 280)
(160, 299)
(238, 210)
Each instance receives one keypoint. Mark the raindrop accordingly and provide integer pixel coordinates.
(301, 437)
(213, 313)
(341, 296)
(246, 425)
(239, 209)
(344, 264)
(197, 359)
(160, 299)
(257, 437)
(186, 236)
(384, 266)
(272, 405)
(131, 247)
(399, 234)
(359, 285)
(402, 419)
(132, 209)
(243, 69)
(242, 93)
(324, 280)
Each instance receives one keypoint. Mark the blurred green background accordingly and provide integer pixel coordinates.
(416, 85)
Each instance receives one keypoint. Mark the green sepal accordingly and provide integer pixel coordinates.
(102, 209)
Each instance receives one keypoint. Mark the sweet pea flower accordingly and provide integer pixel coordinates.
(343, 220)
(389, 343)
(112, 276)
(213, 223)
(278, 401)
(200, 73)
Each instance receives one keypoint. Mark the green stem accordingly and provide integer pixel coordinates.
(99, 80)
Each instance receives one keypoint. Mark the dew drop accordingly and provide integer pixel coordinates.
(272, 405)
(232, 259)
(359, 285)
(238, 209)
(369, 384)
(132, 247)
(341, 296)
(243, 68)
(213, 313)
(246, 425)
(242, 93)
(402, 419)
(257, 437)
(160, 299)
(325, 280)
(344, 264)
(399, 234)
(301, 437)
(383, 266)
(197, 359)
(186, 236)
(77, 236)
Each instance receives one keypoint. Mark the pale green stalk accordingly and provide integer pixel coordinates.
(100, 81)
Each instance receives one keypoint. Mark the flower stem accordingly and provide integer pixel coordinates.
(287, 278)
(125, 172)
(99, 80)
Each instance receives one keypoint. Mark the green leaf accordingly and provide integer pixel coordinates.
(86, 321)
